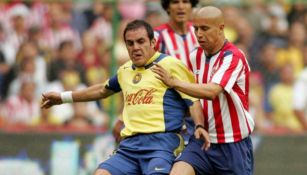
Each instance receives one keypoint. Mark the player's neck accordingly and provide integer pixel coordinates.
(217, 48)
(180, 28)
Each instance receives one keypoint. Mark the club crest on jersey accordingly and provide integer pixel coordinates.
(137, 78)
(214, 70)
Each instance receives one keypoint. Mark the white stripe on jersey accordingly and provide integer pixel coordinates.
(165, 31)
(168, 42)
(181, 50)
(227, 124)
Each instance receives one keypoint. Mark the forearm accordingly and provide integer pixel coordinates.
(197, 113)
(203, 91)
(91, 93)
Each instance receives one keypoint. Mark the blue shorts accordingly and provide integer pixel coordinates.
(221, 159)
(189, 129)
(148, 154)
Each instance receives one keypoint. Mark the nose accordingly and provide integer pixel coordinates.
(180, 4)
(198, 33)
(135, 46)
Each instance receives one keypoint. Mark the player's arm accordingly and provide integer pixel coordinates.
(91, 93)
(198, 118)
(206, 91)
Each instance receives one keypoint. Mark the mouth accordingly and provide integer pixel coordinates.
(202, 42)
(181, 14)
(137, 56)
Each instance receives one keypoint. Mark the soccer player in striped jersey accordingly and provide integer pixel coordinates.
(177, 37)
(153, 113)
(222, 73)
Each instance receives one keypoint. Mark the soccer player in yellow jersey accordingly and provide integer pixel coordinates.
(153, 113)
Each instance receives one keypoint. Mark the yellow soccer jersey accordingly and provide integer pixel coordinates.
(149, 105)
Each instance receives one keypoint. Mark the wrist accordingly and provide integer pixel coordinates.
(66, 97)
(199, 126)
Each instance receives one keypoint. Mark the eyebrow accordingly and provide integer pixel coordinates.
(138, 39)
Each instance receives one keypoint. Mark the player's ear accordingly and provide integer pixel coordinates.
(153, 42)
(222, 26)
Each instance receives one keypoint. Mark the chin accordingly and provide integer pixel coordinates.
(138, 64)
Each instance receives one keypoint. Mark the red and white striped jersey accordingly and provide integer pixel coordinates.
(176, 45)
(226, 117)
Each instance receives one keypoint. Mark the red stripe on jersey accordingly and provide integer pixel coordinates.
(247, 91)
(205, 81)
(219, 126)
(246, 70)
(173, 39)
(241, 95)
(228, 73)
(198, 60)
(199, 55)
(234, 119)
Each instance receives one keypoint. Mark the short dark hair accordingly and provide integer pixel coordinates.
(165, 3)
(138, 24)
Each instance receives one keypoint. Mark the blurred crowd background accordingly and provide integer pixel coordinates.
(66, 45)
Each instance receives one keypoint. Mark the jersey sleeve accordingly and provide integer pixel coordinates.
(182, 73)
(227, 74)
(113, 84)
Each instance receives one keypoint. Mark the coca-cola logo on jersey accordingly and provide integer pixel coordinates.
(143, 96)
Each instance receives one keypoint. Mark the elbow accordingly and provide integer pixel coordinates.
(213, 91)
(211, 96)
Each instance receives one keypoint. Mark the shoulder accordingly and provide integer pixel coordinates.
(161, 27)
(168, 59)
(172, 63)
(194, 53)
(125, 66)
(195, 50)
(232, 50)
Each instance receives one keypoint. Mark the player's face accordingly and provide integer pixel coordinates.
(180, 10)
(208, 34)
(140, 48)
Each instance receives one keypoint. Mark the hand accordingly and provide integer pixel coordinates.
(51, 98)
(117, 129)
(201, 133)
(163, 75)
